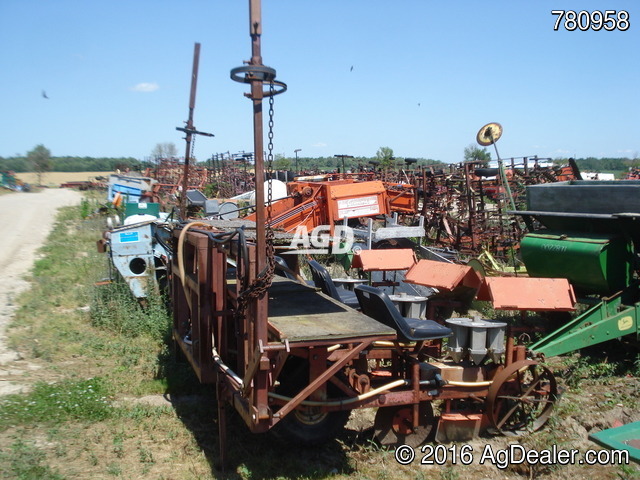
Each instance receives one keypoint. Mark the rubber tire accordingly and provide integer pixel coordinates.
(294, 428)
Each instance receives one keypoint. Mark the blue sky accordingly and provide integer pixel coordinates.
(426, 76)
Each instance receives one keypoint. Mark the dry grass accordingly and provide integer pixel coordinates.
(54, 179)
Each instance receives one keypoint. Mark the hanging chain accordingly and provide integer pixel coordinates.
(270, 249)
(191, 159)
(193, 145)
(262, 283)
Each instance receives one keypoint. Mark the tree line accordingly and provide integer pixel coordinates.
(353, 164)
(73, 164)
(606, 164)
(40, 160)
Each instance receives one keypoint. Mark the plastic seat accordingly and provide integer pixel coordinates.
(284, 271)
(322, 280)
(377, 305)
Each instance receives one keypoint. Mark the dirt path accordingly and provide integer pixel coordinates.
(27, 220)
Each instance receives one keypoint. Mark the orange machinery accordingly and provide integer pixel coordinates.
(314, 203)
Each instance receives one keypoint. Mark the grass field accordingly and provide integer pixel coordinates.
(99, 372)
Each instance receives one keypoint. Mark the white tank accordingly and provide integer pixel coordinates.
(139, 218)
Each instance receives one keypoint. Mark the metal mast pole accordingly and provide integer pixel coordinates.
(190, 130)
(255, 26)
(257, 75)
(192, 106)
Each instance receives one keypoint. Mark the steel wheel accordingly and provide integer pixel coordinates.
(521, 398)
(393, 425)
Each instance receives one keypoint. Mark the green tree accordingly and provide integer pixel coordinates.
(384, 155)
(474, 154)
(164, 150)
(281, 163)
(40, 159)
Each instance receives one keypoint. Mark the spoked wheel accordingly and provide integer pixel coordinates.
(393, 425)
(521, 398)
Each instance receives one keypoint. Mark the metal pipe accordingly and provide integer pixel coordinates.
(226, 370)
(337, 403)
(503, 177)
(469, 384)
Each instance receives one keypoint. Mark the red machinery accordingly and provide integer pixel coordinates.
(314, 203)
(288, 357)
(303, 364)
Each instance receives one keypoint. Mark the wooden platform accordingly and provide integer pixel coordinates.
(300, 313)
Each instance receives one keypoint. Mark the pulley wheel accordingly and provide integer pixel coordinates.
(489, 134)
(393, 425)
(521, 398)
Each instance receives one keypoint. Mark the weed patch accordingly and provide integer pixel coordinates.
(51, 403)
(588, 366)
(114, 308)
(24, 461)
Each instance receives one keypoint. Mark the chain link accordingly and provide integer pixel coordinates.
(269, 235)
(191, 159)
(262, 283)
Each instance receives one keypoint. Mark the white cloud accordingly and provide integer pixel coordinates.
(145, 87)
(319, 145)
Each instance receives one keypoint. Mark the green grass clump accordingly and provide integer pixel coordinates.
(24, 461)
(591, 367)
(114, 308)
(86, 400)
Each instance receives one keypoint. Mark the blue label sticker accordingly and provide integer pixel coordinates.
(129, 237)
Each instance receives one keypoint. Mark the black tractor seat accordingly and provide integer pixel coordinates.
(377, 305)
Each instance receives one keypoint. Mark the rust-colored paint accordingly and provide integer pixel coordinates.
(444, 276)
(314, 203)
(383, 260)
(523, 293)
(402, 198)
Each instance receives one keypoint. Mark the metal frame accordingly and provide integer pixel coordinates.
(222, 324)
(224, 344)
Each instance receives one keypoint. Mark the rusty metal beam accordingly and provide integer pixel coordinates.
(192, 106)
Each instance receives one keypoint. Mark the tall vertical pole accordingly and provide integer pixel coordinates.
(189, 129)
(255, 19)
(260, 399)
(257, 74)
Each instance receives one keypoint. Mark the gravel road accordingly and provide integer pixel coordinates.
(26, 220)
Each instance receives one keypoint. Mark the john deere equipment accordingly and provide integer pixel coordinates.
(589, 233)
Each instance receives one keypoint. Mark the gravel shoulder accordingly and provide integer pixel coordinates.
(26, 219)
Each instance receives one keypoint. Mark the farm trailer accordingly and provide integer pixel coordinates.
(288, 357)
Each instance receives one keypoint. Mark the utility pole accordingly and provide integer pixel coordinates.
(296, 152)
